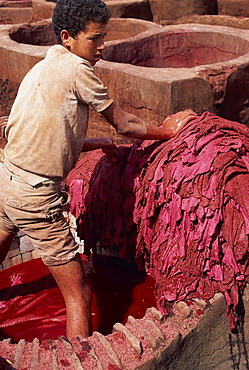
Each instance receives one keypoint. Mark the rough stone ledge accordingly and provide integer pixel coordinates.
(153, 342)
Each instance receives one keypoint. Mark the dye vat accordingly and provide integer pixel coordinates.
(178, 67)
(237, 8)
(12, 12)
(20, 11)
(144, 340)
(41, 33)
(156, 70)
(16, 4)
(172, 9)
(23, 45)
(177, 49)
(31, 305)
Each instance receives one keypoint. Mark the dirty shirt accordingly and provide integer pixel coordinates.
(49, 118)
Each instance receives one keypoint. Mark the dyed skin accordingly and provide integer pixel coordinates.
(70, 277)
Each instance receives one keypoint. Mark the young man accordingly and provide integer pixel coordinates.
(46, 133)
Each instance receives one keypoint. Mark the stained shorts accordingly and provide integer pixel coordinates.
(37, 211)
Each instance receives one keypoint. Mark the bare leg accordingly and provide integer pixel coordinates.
(5, 242)
(72, 282)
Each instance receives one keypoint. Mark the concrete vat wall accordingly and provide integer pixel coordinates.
(196, 336)
(155, 92)
(13, 12)
(154, 342)
(172, 9)
(18, 57)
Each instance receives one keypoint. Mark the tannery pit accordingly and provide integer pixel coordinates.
(183, 214)
(177, 49)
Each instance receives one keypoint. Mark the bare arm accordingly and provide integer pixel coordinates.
(130, 125)
(93, 143)
(103, 142)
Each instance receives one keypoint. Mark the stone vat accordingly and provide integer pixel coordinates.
(20, 11)
(12, 12)
(209, 73)
(22, 46)
(158, 10)
(150, 10)
(18, 57)
(155, 72)
(139, 9)
(233, 7)
(172, 9)
(152, 342)
(212, 20)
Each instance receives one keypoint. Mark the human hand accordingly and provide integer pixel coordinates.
(175, 122)
(104, 143)
(108, 147)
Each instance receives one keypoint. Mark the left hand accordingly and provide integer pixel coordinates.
(108, 147)
(105, 143)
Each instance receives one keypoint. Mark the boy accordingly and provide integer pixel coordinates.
(46, 133)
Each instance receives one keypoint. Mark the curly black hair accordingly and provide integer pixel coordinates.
(75, 15)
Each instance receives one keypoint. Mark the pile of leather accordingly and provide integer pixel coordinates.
(180, 208)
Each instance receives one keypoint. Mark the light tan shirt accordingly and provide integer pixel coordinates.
(49, 118)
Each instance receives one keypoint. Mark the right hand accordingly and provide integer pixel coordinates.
(176, 121)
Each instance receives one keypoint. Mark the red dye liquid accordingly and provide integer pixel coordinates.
(31, 305)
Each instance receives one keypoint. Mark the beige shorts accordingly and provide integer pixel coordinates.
(37, 211)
